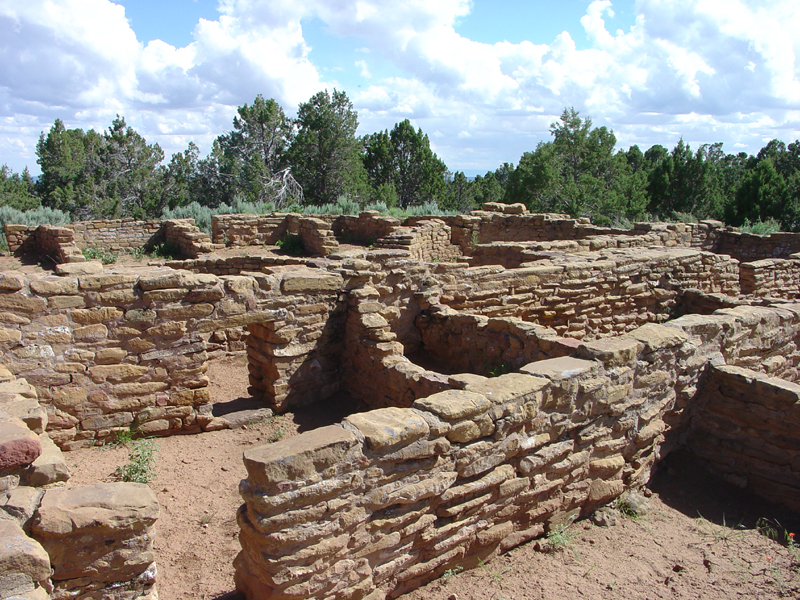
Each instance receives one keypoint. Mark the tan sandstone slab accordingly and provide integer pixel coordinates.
(559, 368)
(85, 268)
(98, 507)
(299, 457)
(454, 404)
(24, 564)
(508, 387)
(387, 427)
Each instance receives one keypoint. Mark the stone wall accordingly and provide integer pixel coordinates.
(60, 541)
(247, 230)
(249, 262)
(129, 350)
(63, 244)
(771, 277)
(47, 241)
(746, 427)
(366, 228)
(427, 241)
(122, 350)
(752, 247)
(592, 294)
(117, 235)
(392, 498)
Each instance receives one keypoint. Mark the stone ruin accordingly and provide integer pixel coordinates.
(519, 371)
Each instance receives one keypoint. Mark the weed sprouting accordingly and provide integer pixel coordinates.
(277, 434)
(720, 534)
(292, 244)
(561, 536)
(107, 258)
(450, 573)
(140, 463)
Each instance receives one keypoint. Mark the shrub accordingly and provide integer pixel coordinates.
(761, 227)
(140, 463)
(292, 244)
(38, 216)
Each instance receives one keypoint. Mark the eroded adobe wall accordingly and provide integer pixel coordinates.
(393, 497)
(746, 429)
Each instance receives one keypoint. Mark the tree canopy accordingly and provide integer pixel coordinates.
(317, 158)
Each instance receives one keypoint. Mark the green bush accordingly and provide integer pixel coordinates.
(292, 244)
(761, 227)
(165, 250)
(38, 216)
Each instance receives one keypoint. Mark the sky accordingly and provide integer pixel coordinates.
(483, 78)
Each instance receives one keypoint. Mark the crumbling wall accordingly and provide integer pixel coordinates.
(129, 350)
(246, 230)
(771, 277)
(368, 227)
(746, 427)
(187, 238)
(752, 247)
(592, 294)
(464, 343)
(427, 241)
(391, 498)
(117, 235)
(60, 541)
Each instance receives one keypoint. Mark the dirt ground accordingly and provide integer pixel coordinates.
(697, 540)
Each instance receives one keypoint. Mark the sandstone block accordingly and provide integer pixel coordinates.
(191, 311)
(90, 267)
(161, 280)
(110, 356)
(300, 457)
(612, 352)
(55, 286)
(19, 303)
(101, 531)
(512, 386)
(559, 368)
(386, 427)
(11, 282)
(24, 563)
(454, 404)
(172, 329)
(49, 468)
(19, 446)
(91, 333)
(12, 336)
(656, 337)
(311, 282)
(116, 373)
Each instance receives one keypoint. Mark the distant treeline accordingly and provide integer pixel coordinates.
(270, 160)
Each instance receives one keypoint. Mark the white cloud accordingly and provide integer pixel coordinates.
(709, 70)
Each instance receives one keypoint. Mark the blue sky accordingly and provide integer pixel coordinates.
(484, 79)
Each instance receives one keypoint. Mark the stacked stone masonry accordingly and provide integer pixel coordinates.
(392, 498)
(61, 541)
(521, 370)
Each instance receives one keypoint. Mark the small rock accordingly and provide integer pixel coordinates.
(605, 517)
